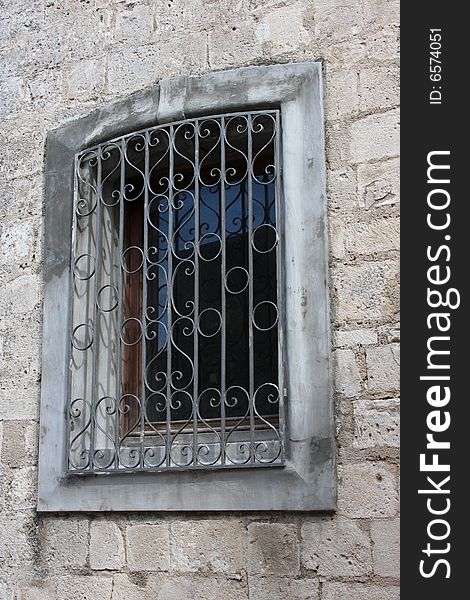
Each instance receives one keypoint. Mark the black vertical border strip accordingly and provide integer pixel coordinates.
(426, 128)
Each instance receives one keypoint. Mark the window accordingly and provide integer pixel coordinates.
(176, 329)
(186, 323)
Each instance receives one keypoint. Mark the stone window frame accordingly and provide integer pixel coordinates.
(307, 482)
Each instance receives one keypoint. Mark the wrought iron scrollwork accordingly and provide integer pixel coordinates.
(176, 320)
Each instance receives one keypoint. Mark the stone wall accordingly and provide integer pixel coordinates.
(61, 58)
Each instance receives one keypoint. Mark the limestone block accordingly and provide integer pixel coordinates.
(16, 549)
(342, 93)
(273, 549)
(148, 547)
(106, 546)
(378, 184)
(385, 535)
(337, 19)
(362, 591)
(22, 489)
(383, 368)
(16, 240)
(283, 588)
(64, 543)
(341, 189)
(126, 587)
(372, 237)
(365, 291)
(233, 46)
(355, 337)
(367, 490)
(336, 548)
(18, 445)
(336, 235)
(378, 13)
(208, 546)
(86, 79)
(375, 136)
(377, 424)
(137, 23)
(347, 379)
(379, 87)
(283, 29)
(18, 404)
(82, 587)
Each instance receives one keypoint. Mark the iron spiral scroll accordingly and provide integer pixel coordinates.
(176, 326)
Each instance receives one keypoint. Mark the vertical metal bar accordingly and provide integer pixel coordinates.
(143, 342)
(223, 299)
(196, 291)
(279, 216)
(122, 180)
(96, 287)
(251, 359)
(169, 293)
(70, 315)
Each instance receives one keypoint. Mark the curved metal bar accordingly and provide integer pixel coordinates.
(204, 328)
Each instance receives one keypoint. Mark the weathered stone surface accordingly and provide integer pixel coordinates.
(37, 590)
(135, 68)
(129, 70)
(338, 142)
(375, 137)
(337, 19)
(283, 29)
(285, 588)
(137, 588)
(273, 549)
(337, 240)
(17, 449)
(208, 546)
(367, 490)
(378, 13)
(342, 93)
(24, 194)
(193, 587)
(21, 296)
(86, 79)
(237, 43)
(106, 546)
(335, 548)
(60, 59)
(383, 368)
(138, 23)
(355, 337)
(347, 379)
(377, 423)
(379, 87)
(78, 587)
(389, 333)
(148, 547)
(342, 189)
(64, 542)
(16, 541)
(385, 535)
(366, 291)
(372, 237)
(46, 90)
(22, 488)
(14, 161)
(359, 591)
(378, 184)
(384, 44)
(18, 404)
(16, 240)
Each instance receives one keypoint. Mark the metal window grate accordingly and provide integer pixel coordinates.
(176, 357)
